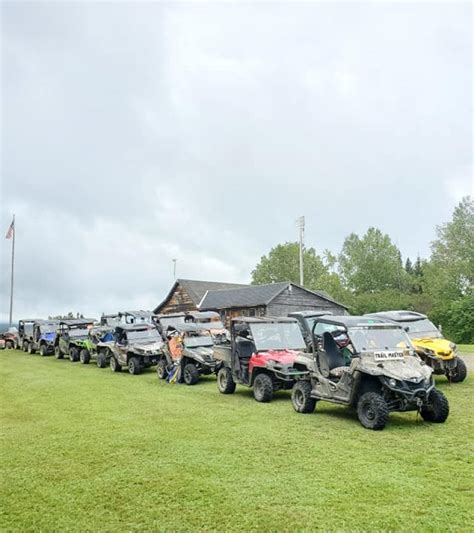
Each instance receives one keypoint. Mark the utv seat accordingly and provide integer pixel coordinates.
(336, 362)
(244, 348)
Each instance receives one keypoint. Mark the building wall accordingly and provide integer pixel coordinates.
(227, 314)
(297, 299)
(179, 302)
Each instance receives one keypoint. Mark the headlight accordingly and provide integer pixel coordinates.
(392, 382)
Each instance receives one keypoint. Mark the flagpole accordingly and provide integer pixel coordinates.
(13, 270)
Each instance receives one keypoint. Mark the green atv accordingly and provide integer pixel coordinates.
(73, 340)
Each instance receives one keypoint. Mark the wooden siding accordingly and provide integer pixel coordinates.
(179, 302)
(297, 299)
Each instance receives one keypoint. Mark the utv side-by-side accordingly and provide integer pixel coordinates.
(100, 339)
(212, 322)
(136, 346)
(261, 355)
(439, 353)
(43, 337)
(191, 347)
(168, 323)
(25, 333)
(369, 364)
(72, 338)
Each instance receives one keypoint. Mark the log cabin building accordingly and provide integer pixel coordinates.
(232, 299)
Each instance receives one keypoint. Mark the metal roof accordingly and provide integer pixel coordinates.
(309, 314)
(354, 321)
(252, 296)
(263, 319)
(399, 316)
(77, 321)
(135, 327)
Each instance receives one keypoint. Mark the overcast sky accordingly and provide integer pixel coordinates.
(135, 133)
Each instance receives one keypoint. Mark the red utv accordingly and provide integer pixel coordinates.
(261, 355)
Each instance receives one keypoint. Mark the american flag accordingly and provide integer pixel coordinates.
(10, 231)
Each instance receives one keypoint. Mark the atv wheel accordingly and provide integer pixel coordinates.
(372, 411)
(9, 345)
(73, 355)
(84, 356)
(225, 382)
(43, 350)
(134, 366)
(436, 409)
(263, 388)
(25, 346)
(161, 370)
(459, 372)
(190, 374)
(101, 360)
(57, 353)
(114, 366)
(301, 397)
(31, 349)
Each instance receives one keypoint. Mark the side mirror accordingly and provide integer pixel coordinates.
(407, 328)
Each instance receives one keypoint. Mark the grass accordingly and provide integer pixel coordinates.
(466, 348)
(84, 449)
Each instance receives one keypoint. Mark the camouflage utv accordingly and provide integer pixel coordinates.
(72, 339)
(369, 364)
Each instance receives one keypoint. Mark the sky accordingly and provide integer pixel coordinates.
(133, 134)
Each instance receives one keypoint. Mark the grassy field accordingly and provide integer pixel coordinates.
(466, 348)
(84, 449)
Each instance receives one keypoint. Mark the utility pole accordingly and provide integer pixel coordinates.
(300, 221)
(174, 267)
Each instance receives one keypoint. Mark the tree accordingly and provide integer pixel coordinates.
(450, 273)
(371, 263)
(408, 267)
(282, 264)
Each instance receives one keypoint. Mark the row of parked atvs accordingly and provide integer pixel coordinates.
(376, 363)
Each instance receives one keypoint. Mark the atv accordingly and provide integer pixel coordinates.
(73, 339)
(191, 348)
(43, 337)
(10, 338)
(439, 353)
(25, 333)
(261, 355)
(136, 346)
(306, 320)
(369, 364)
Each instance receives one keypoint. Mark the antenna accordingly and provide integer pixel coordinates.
(300, 221)
(174, 267)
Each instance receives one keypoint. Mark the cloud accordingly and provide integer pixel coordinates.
(133, 134)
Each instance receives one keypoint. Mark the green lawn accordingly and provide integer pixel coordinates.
(85, 449)
(466, 348)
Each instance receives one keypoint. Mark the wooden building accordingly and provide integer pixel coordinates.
(186, 294)
(230, 299)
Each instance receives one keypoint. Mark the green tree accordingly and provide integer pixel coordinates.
(408, 267)
(450, 272)
(282, 264)
(371, 263)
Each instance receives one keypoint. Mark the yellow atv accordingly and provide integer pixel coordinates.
(430, 345)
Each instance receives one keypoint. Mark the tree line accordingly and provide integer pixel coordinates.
(369, 274)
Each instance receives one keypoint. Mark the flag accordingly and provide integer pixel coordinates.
(10, 231)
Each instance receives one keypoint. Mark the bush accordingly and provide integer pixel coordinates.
(457, 319)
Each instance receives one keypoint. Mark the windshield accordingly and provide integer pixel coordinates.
(422, 328)
(378, 338)
(48, 328)
(198, 340)
(144, 335)
(79, 332)
(277, 336)
(172, 321)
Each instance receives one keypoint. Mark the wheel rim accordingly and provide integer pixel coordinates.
(223, 380)
(298, 397)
